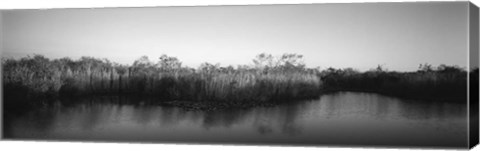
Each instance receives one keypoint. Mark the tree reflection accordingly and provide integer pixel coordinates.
(338, 115)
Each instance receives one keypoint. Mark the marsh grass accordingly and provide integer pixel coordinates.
(33, 80)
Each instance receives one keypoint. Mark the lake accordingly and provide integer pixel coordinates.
(344, 118)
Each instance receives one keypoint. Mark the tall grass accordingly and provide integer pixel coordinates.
(269, 79)
(39, 77)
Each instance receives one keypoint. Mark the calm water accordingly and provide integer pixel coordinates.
(334, 119)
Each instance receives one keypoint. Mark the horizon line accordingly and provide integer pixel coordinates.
(320, 68)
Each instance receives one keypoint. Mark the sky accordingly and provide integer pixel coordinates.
(398, 36)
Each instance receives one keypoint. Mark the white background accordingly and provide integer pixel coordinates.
(83, 146)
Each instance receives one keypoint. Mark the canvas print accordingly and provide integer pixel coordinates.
(359, 74)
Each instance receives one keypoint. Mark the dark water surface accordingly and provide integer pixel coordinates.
(346, 118)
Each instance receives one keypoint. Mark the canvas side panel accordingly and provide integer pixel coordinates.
(473, 75)
(1, 83)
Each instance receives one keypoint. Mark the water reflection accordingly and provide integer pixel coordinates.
(340, 118)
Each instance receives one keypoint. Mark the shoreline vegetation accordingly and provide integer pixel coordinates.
(29, 81)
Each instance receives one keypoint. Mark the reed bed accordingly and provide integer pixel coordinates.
(36, 79)
(31, 78)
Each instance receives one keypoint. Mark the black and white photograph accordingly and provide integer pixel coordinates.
(386, 74)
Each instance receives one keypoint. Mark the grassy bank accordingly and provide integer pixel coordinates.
(33, 80)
